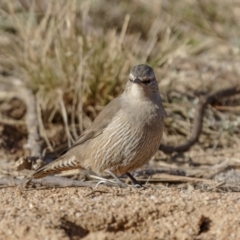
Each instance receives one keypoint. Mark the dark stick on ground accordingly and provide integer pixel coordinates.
(198, 119)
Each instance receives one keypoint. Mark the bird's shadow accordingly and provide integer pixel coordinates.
(72, 229)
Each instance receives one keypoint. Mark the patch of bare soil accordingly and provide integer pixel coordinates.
(113, 213)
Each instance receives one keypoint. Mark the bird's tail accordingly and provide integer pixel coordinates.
(61, 164)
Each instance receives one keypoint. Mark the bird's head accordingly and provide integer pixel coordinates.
(142, 82)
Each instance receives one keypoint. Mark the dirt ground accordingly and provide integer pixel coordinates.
(111, 213)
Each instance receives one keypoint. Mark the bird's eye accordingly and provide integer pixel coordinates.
(146, 81)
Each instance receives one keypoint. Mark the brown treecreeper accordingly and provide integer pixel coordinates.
(123, 137)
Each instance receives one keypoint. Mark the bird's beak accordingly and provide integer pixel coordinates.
(136, 80)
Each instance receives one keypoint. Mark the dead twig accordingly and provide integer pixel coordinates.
(27, 96)
(9, 121)
(176, 179)
(31, 122)
(198, 119)
(50, 181)
(41, 125)
(228, 108)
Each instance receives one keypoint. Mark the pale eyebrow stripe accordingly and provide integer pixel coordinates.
(131, 75)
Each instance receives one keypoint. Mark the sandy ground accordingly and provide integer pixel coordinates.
(113, 213)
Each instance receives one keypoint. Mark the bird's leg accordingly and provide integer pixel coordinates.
(135, 181)
(119, 182)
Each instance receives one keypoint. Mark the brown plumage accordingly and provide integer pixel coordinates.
(124, 136)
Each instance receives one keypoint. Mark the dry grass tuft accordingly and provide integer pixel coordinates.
(75, 56)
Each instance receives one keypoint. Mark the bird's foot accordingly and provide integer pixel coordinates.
(137, 184)
(111, 183)
(119, 182)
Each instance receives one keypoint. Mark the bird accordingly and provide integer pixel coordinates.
(123, 137)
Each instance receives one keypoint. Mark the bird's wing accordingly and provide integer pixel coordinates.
(100, 122)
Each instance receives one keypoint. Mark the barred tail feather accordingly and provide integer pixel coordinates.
(61, 164)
